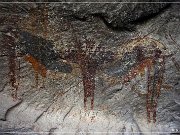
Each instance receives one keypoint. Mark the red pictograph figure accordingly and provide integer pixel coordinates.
(85, 57)
(155, 65)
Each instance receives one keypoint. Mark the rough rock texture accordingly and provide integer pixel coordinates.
(52, 100)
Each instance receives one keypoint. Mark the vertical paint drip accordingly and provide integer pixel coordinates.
(12, 72)
(10, 48)
(148, 105)
(89, 84)
(154, 85)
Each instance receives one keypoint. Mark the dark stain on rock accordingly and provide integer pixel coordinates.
(43, 51)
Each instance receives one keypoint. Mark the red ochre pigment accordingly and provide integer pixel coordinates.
(38, 68)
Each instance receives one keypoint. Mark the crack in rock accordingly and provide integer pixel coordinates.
(10, 110)
(68, 113)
